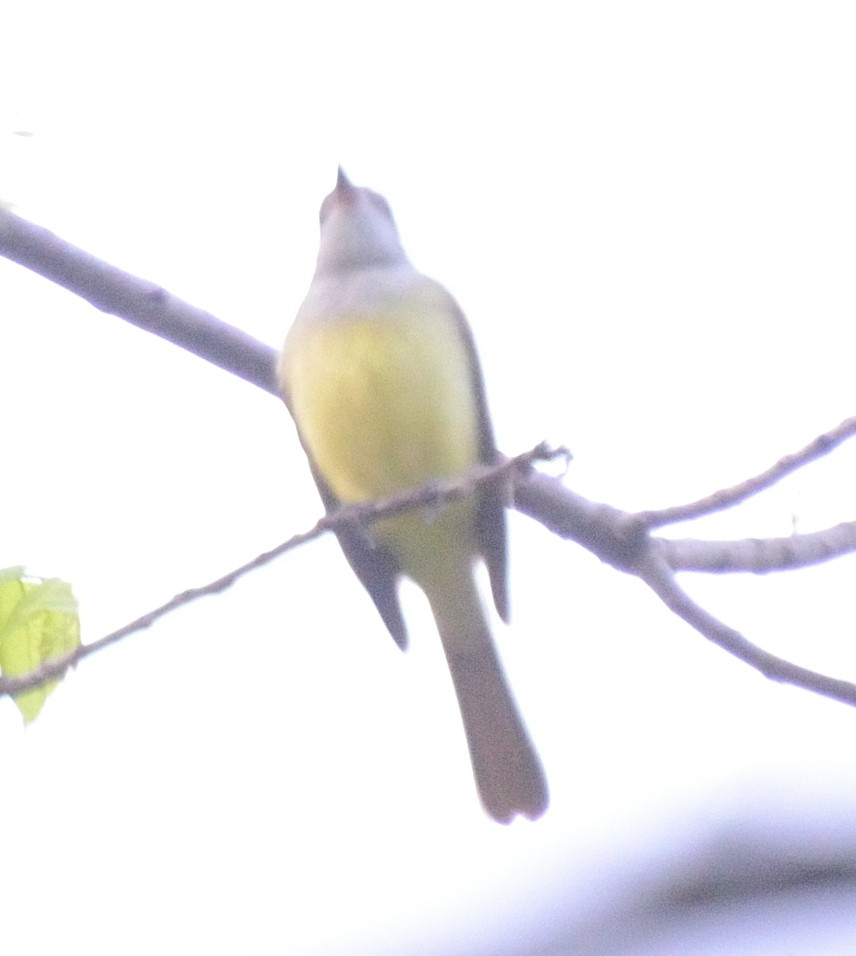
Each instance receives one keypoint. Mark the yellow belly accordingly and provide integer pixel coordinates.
(386, 403)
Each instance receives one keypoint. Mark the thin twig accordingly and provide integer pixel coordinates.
(760, 555)
(728, 497)
(661, 579)
(433, 495)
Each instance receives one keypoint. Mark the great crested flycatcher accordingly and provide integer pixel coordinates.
(380, 374)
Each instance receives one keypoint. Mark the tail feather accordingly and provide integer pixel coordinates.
(508, 771)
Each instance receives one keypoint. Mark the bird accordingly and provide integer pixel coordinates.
(380, 374)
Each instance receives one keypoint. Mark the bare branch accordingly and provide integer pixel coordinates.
(141, 303)
(661, 579)
(621, 540)
(760, 555)
(618, 538)
(728, 497)
(615, 536)
(431, 495)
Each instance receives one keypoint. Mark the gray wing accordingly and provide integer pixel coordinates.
(373, 565)
(492, 498)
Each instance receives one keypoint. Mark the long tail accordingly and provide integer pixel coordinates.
(508, 771)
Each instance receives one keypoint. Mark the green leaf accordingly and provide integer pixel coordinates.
(38, 622)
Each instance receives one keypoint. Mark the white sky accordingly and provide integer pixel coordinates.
(647, 211)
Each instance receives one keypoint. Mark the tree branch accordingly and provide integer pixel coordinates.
(619, 538)
(656, 573)
(760, 555)
(141, 303)
(728, 497)
(430, 495)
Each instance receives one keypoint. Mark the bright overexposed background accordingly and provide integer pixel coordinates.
(647, 212)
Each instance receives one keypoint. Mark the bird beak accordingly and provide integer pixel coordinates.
(343, 184)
